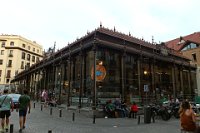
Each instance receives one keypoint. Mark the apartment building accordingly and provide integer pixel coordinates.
(189, 46)
(16, 54)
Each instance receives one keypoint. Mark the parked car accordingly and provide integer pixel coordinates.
(15, 99)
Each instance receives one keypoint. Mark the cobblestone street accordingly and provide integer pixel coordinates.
(41, 122)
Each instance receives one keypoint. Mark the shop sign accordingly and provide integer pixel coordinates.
(100, 73)
(146, 88)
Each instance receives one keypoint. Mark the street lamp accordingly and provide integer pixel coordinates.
(146, 88)
(59, 76)
(145, 72)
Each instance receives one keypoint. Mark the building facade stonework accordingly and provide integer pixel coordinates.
(16, 54)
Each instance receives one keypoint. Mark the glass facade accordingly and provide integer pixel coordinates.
(110, 86)
(88, 73)
(128, 76)
(131, 78)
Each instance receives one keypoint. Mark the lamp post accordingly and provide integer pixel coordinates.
(37, 88)
(95, 85)
(146, 87)
(59, 77)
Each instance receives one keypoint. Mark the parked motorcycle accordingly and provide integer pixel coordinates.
(174, 110)
(160, 111)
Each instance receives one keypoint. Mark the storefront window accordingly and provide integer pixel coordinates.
(131, 78)
(75, 80)
(110, 86)
(163, 80)
(193, 82)
(88, 82)
(186, 88)
(177, 83)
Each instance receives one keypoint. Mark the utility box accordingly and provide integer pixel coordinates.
(147, 114)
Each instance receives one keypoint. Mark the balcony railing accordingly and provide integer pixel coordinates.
(8, 76)
(10, 55)
(9, 65)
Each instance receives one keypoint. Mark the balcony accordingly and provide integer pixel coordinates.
(8, 76)
(9, 65)
(10, 55)
(27, 67)
(22, 67)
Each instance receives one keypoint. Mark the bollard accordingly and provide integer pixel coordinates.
(11, 128)
(41, 107)
(50, 131)
(50, 111)
(34, 105)
(60, 114)
(153, 118)
(94, 117)
(138, 119)
(73, 116)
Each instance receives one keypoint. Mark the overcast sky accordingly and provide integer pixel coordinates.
(63, 21)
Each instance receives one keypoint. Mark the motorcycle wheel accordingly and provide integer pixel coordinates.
(165, 116)
(176, 115)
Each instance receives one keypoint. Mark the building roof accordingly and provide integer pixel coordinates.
(137, 41)
(5, 37)
(124, 42)
(179, 43)
(125, 37)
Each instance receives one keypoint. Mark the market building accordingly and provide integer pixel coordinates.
(106, 64)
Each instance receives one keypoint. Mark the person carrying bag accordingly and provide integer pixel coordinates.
(5, 110)
(3, 101)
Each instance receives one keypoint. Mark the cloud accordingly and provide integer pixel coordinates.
(46, 21)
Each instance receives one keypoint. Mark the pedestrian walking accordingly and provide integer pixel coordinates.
(5, 110)
(45, 97)
(24, 106)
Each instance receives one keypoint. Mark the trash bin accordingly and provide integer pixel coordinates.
(147, 114)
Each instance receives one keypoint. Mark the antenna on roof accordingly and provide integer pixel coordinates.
(100, 24)
(152, 39)
(54, 47)
(181, 38)
(88, 32)
(129, 33)
(114, 28)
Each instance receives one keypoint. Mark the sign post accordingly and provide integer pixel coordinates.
(146, 90)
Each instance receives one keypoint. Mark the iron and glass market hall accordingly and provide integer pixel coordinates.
(106, 64)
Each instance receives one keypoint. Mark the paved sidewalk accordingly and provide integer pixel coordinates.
(41, 121)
